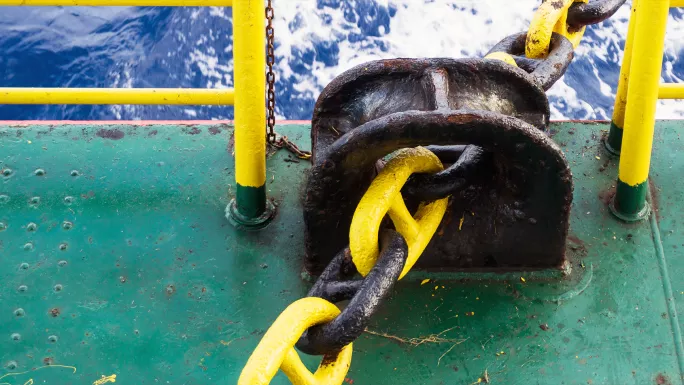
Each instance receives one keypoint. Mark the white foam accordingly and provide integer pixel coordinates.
(439, 28)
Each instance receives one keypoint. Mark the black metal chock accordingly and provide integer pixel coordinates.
(511, 210)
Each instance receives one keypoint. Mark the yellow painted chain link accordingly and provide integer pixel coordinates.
(383, 196)
(551, 16)
(276, 349)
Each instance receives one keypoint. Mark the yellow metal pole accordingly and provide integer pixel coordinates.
(676, 3)
(162, 96)
(671, 91)
(118, 3)
(614, 141)
(250, 207)
(647, 59)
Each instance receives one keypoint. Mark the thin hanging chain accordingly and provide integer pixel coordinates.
(270, 76)
(271, 136)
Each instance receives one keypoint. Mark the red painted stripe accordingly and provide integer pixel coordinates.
(131, 122)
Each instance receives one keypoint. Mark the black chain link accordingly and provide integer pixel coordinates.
(596, 11)
(365, 295)
(545, 72)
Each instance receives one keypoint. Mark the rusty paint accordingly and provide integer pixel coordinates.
(557, 4)
(110, 133)
(606, 196)
(662, 379)
(193, 130)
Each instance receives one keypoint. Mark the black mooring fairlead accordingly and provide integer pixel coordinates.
(510, 207)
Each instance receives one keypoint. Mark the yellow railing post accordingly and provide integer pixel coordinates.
(250, 207)
(642, 96)
(614, 141)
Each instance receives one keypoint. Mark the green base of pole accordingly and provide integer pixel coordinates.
(629, 203)
(613, 142)
(250, 210)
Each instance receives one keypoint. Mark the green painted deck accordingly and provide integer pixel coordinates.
(116, 258)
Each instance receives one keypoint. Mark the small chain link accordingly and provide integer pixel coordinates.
(270, 76)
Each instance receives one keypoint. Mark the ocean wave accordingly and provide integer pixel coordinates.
(315, 41)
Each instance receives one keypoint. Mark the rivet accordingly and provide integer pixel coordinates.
(11, 365)
(7, 172)
(4, 198)
(68, 200)
(16, 337)
(52, 338)
(58, 287)
(3, 226)
(19, 312)
(31, 227)
(23, 288)
(170, 289)
(66, 225)
(34, 201)
(62, 263)
(39, 172)
(63, 246)
(24, 266)
(75, 173)
(28, 246)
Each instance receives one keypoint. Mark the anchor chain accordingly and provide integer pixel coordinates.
(333, 336)
(545, 52)
(314, 324)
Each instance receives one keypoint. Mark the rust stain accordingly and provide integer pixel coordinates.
(577, 245)
(55, 312)
(110, 133)
(607, 195)
(192, 130)
(214, 130)
(558, 4)
(662, 379)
